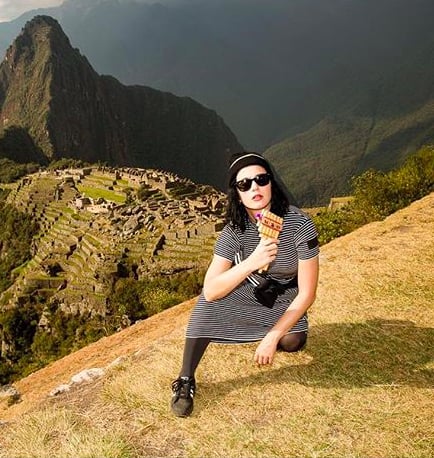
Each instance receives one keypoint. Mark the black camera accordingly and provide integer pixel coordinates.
(268, 290)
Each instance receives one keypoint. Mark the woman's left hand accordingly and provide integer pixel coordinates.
(265, 351)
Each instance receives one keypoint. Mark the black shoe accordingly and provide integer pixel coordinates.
(182, 400)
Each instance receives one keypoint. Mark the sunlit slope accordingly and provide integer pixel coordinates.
(362, 386)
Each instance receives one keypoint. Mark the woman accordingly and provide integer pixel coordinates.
(231, 308)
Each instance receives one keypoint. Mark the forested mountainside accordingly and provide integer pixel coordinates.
(387, 123)
(53, 105)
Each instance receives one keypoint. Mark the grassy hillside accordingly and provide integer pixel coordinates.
(361, 388)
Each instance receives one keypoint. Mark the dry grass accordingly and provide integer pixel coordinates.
(362, 388)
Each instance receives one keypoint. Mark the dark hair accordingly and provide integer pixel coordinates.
(236, 213)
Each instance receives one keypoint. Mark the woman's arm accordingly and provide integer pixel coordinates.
(308, 271)
(222, 277)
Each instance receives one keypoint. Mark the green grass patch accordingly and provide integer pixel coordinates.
(96, 193)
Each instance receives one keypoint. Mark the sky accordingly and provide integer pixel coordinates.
(11, 9)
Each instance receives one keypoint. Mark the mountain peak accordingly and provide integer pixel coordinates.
(51, 92)
(42, 21)
(27, 75)
(39, 34)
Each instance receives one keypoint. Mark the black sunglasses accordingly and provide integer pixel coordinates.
(261, 180)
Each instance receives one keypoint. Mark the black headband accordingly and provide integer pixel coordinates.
(246, 160)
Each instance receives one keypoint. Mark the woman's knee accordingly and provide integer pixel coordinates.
(293, 342)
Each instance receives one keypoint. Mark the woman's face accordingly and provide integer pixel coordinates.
(256, 197)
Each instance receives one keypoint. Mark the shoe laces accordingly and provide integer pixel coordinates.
(183, 387)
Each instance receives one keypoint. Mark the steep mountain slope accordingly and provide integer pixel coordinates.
(49, 90)
(271, 69)
(394, 119)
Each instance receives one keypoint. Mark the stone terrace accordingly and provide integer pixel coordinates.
(86, 231)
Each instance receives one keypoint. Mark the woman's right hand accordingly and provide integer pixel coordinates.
(263, 254)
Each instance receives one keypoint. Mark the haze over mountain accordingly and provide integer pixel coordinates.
(273, 54)
(332, 86)
(53, 101)
(11, 9)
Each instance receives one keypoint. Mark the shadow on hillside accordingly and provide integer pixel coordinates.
(348, 355)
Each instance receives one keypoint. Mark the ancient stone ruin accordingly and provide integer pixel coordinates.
(91, 221)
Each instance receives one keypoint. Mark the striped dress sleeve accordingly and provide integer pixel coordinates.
(306, 240)
(227, 244)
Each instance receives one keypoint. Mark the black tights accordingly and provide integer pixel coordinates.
(292, 342)
(193, 352)
(195, 348)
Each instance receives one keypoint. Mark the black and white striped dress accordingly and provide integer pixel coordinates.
(239, 317)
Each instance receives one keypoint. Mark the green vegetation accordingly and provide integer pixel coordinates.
(145, 192)
(107, 194)
(376, 195)
(316, 164)
(18, 326)
(31, 347)
(10, 171)
(16, 233)
(67, 163)
(140, 299)
(18, 146)
(103, 179)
